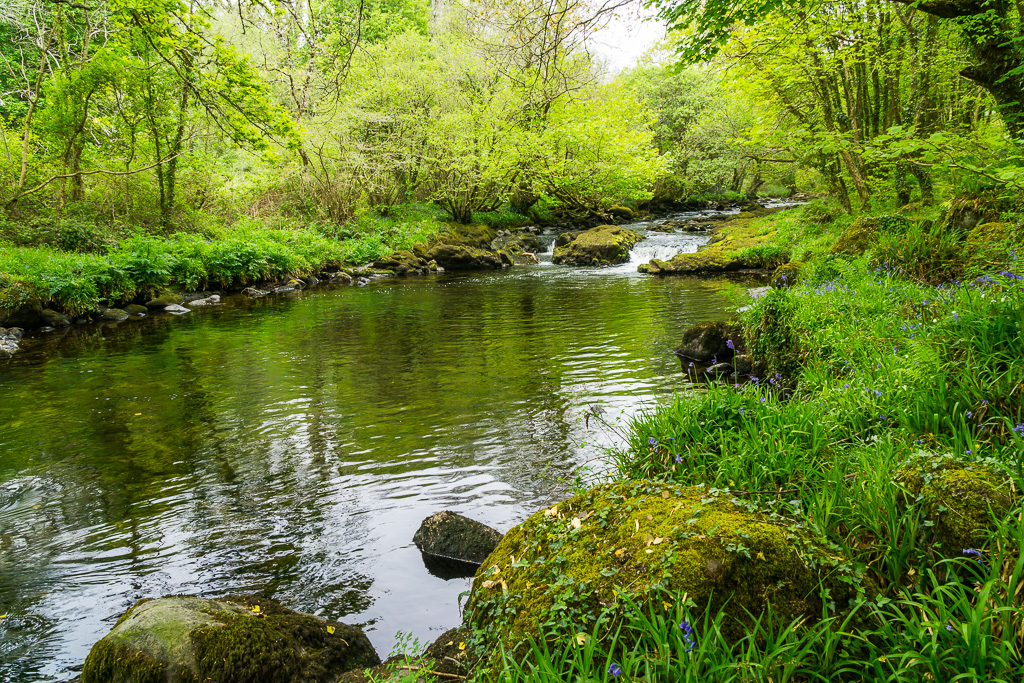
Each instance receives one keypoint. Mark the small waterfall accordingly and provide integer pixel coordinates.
(649, 249)
(550, 248)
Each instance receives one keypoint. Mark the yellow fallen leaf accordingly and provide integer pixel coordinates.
(330, 629)
(256, 609)
(450, 642)
(666, 605)
(581, 638)
(137, 414)
(489, 584)
(462, 646)
(619, 552)
(658, 540)
(665, 494)
(576, 523)
(760, 556)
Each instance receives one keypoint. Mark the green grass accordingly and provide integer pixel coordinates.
(76, 281)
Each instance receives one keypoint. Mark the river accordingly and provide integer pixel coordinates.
(290, 446)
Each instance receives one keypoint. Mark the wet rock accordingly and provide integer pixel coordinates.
(362, 281)
(603, 245)
(719, 369)
(47, 328)
(136, 310)
(403, 262)
(477, 236)
(19, 307)
(52, 318)
(450, 535)
(341, 279)
(177, 310)
(310, 281)
(290, 286)
(254, 293)
(165, 299)
(623, 212)
(743, 364)
(456, 257)
(643, 540)
(113, 315)
(208, 301)
(182, 639)
(711, 341)
(189, 297)
(9, 345)
(566, 237)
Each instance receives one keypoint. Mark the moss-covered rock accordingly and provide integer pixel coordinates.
(403, 262)
(701, 263)
(185, 639)
(477, 236)
(862, 233)
(455, 257)
(711, 340)
(623, 212)
(565, 567)
(603, 245)
(164, 299)
(787, 274)
(53, 318)
(991, 246)
(961, 499)
(19, 306)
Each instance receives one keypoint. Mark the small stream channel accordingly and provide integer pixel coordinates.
(290, 446)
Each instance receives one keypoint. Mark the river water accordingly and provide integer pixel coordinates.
(291, 446)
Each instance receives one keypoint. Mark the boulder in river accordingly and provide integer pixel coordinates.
(136, 310)
(208, 301)
(177, 310)
(19, 307)
(719, 369)
(9, 342)
(451, 536)
(603, 245)
(711, 341)
(235, 639)
(165, 299)
(403, 262)
(459, 257)
(114, 315)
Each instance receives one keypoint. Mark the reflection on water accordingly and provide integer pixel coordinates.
(292, 447)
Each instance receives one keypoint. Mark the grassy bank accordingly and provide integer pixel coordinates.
(75, 267)
(889, 421)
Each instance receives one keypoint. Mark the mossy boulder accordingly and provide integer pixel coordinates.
(863, 231)
(990, 246)
(53, 318)
(184, 639)
(603, 245)
(403, 262)
(711, 340)
(164, 299)
(455, 257)
(961, 499)
(452, 536)
(623, 212)
(564, 568)
(477, 236)
(517, 243)
(19, 306)
(701, 263)
(787, 274)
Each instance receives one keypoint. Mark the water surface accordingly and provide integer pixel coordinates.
(291, 446)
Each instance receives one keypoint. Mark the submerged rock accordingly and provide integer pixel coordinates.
(643, 540)
(208, 301)
(9, 342)
(603, 245)
(719, 369)
(403, 262)
(451, 536)
(114, 315)
(254, 293)
(136, 310)
(183, 639)
(177, 310)
(710, 341)
(165, 299)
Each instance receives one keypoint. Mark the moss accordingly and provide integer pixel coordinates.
(862, 233)
(961, 499)
(991, 246)
(620, 211)
(568, 566)
(603, 245)
(477, 236)
(234, 639)
(724, 253)
(787, 274)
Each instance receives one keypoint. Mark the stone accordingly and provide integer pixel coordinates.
(189, 297)
(623, 212)
(254, 293)
(719, 369)
(708, 342)
(310, 281)
(234, 639)
(403, 262)
(603, 245)
(166, 299)
(114, 315)
(787, 274)
(643, 540)
(19, 306)
(341, 278)
(862, 232)
(53, 318)
(477, 236)
(456, 257)
(177, 310)
(961, 499)
(743, 364)
(362, 281)
(563, 238)
(208, 301)
(451, 536)
(136, 310)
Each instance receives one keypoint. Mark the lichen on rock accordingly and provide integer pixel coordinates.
(567, 567)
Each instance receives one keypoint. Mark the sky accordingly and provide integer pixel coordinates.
(628, 37)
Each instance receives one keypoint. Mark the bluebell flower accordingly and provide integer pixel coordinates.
(615, 670)
(687, 630)
(728, 343)
(652, 442)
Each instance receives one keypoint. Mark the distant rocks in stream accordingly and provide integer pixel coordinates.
(10, 341)
(711, 342)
